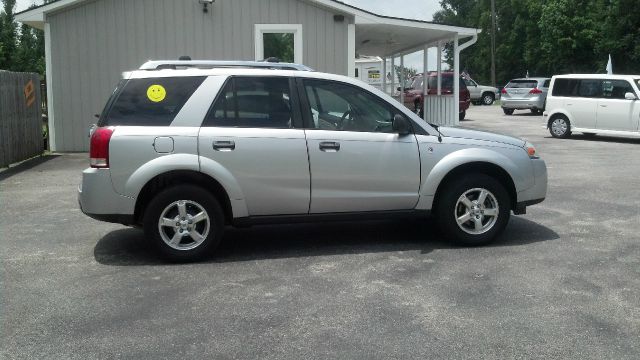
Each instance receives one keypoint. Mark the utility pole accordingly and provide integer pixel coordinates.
(493, 43)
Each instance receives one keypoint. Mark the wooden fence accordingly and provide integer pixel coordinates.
(20, 117)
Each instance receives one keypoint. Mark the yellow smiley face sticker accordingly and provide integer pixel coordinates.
(156, 93)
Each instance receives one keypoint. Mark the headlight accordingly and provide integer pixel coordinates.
(531, 150)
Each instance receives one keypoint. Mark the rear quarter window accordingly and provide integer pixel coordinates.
(565, 87)
(149, 102)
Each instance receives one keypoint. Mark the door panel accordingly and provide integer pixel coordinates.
(271, 166)
(583, 111)
(357, 162)
(250, 132)
(366, 172)
(614, 111)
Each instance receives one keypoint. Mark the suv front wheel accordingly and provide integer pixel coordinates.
(184, 223)
(473, 210)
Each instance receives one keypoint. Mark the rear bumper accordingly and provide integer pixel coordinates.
(98, 200)
(517, 104)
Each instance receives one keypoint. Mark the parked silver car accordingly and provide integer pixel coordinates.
(481, 94)
(525, 94)
(185, 152)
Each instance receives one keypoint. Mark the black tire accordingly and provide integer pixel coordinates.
(448, 208)
(536, 111)
(166, 205)
(560, 127)
(507, 111)
(488, 98)
(462, 115)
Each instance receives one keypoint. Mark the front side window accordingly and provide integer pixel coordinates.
(342, 107)
(615, 89)
(150, 102)
(251, 102)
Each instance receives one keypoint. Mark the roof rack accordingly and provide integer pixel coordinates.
(211, 64)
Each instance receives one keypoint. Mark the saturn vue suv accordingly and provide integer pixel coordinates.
(186, 151)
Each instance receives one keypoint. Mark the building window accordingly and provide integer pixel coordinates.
(282, 41)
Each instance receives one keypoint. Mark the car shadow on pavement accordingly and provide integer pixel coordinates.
(127, 247)
(6, 173)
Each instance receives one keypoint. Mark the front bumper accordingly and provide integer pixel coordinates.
(519, 104)
(538, 192)
(98, 200)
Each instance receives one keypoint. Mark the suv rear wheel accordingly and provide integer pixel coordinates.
(507, 111)
(488, 98)
(473, 210)
(184, 223)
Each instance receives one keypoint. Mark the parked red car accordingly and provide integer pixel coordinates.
(413, 97)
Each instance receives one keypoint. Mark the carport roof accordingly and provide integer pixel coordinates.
(375, 34)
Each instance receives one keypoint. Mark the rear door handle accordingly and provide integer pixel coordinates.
(224, 145)
(603, 105)
(330, 146)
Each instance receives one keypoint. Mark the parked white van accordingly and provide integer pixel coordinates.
(593, 104)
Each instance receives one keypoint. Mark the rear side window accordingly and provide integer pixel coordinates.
(565, 87)
(520, 84)
(149, 102)
(251, 102)
(590, 88)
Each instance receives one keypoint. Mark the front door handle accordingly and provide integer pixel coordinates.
(603, 105)
(330, 146)
(224, 145)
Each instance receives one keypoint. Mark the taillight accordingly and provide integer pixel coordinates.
(99, 149)
(535, 91)
(503, 91)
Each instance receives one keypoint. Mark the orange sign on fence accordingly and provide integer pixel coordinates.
(30, 93)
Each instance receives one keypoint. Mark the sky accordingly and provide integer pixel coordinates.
(410, 9)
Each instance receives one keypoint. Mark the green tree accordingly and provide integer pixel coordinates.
(7, 35)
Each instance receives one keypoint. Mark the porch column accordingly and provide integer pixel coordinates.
(456, 82)
(393, 74)
(402, 72)
(439, 68)
(384, 75)
(425, 81)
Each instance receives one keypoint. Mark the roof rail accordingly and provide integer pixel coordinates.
(211, 64)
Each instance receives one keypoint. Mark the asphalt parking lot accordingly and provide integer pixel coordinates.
(563, 282)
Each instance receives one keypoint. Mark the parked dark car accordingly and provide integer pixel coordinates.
(413, 95)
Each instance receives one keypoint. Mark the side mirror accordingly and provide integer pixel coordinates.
(630, 96)
(401, 125)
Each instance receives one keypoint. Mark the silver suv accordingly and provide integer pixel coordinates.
(525, 94)
(186, 152)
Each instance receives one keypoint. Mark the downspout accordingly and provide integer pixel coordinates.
(456, 73)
